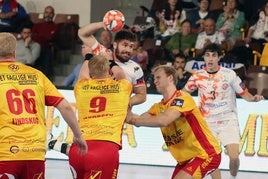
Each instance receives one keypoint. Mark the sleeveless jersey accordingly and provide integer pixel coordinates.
(102, 108)
(24, 92)
(216, 92)
(188, 136)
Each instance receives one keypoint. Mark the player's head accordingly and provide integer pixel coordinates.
(212, 48)
(99, 66)
(124, 43)
(212, 55)
(164, 76)
(8, 45)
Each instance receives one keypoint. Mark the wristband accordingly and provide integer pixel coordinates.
(112, 64)
(88, 56)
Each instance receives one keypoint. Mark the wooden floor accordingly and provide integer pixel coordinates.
(60, 168)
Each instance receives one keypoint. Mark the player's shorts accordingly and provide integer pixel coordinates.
(101, 161)
(226, 131)
(198, 167)
(34, 169)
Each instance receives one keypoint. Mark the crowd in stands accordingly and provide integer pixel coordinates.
(37, 42)
(184, 29)
(178, 29)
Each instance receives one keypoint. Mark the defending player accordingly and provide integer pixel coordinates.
(102, 105)
(185, 131)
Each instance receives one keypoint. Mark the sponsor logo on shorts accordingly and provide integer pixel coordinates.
(95, 174)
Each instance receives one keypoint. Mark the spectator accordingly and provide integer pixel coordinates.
(231, 21)
(179, 64)
(168, 18)
(258, 33)
(251, 9)
(45, 34)
(27, 50)
(140, 56)
(186, 134)
(24, 92)
(12, 15)
(72, 78)
(181, 41)
(208, 36)
(198, 16)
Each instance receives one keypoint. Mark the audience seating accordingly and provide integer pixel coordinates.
(67, 18)
(155, 51)
(261, 59)
(257, 81)
(36, 17)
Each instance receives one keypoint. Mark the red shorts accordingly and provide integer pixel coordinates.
(198, 167)
(33, 169)
(101, 161)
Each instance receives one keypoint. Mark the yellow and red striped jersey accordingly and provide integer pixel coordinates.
(188, 136)
(24, 92)
(102, 108)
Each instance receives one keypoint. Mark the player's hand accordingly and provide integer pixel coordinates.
(81, 143)
(257, 98)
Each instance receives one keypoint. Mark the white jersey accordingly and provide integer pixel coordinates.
(133, 72)
(202, 37)
(216, 93)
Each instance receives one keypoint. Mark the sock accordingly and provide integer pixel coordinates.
(232, 177)
(64, 148)
(51, 144)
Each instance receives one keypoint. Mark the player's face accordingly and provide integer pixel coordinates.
(211, 59)
(161, 80)
(123, 50)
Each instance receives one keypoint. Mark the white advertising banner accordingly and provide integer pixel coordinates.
(144, 145)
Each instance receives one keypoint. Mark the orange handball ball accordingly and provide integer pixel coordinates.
(114, 20)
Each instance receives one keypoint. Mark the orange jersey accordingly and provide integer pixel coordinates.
(188, 136)
(24, 92)
(102, 107)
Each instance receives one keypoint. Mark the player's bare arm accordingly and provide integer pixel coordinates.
(252, 98)
(69, 116)
(86, 33)
(161, 120)
(139, 95)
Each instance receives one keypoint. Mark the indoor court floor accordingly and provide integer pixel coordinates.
(56, 169)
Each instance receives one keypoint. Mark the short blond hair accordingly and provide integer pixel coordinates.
(98, 65)
(8, 45)
(169, 71)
